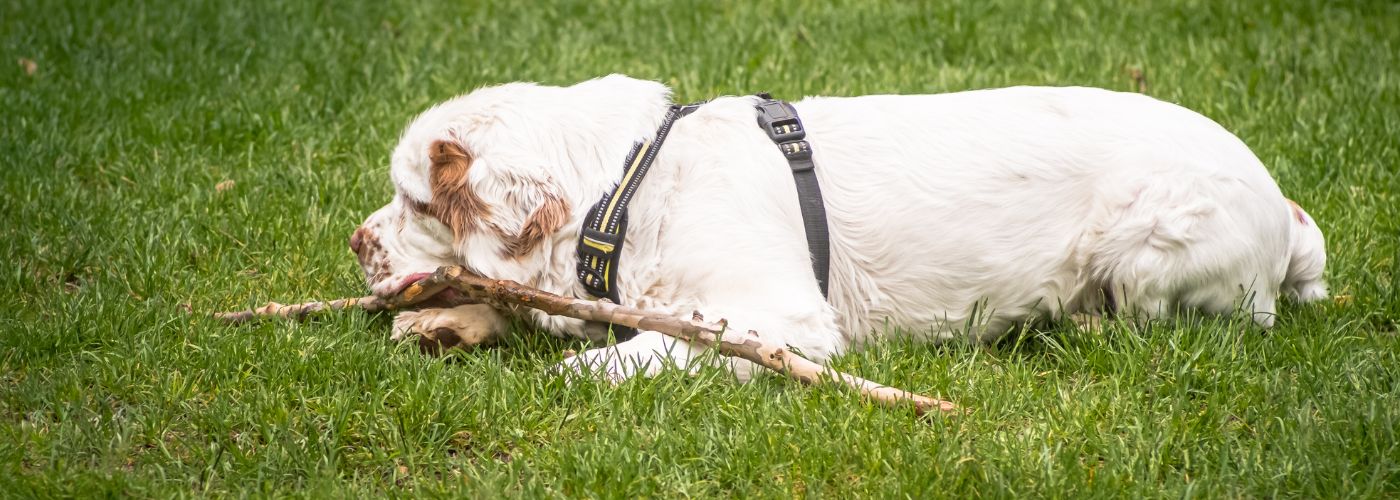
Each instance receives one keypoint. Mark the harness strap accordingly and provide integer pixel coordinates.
(605, 229)
(779, 119)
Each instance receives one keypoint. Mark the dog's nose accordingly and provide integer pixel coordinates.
(356, 238)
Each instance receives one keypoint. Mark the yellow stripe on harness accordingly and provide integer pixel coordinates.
(610, 213)
(631, 170)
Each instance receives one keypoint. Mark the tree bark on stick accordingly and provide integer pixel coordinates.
(746, 345)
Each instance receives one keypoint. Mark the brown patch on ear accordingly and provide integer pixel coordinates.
(544, 221)
(454, 204)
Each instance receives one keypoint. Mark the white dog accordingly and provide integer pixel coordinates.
(953, 214)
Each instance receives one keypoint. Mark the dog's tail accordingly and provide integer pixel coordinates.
(1307, 258)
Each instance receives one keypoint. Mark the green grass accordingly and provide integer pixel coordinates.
(110, 222)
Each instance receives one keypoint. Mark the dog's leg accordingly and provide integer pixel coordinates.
(1225, 298)
(813, 335)
(441, 329)
(646, 354)
(1222, 297)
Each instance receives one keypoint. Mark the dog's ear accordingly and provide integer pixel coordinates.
(551, 215)
(462, 210)
(453, 203)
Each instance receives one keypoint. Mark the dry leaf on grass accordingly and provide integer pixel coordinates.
(1139, 77)
(224, 185)
(29, 66)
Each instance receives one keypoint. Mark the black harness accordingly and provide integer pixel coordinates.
(604, 231)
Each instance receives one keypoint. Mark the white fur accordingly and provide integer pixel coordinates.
(952, 214)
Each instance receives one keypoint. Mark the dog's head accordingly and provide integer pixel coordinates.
(1308, 257)
(495, 180)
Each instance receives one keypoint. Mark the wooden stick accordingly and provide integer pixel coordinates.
(416, 294)
(299, 311)
(746, 345)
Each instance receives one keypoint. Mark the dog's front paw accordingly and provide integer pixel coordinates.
(438, 330)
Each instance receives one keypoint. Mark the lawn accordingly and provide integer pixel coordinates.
(157, 157)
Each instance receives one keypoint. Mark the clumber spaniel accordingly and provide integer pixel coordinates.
(954, 214)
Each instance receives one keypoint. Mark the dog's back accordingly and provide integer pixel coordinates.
(1040, 201)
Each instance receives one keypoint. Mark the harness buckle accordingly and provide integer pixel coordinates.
(796, 151)
(598, 243)
(779, 120)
